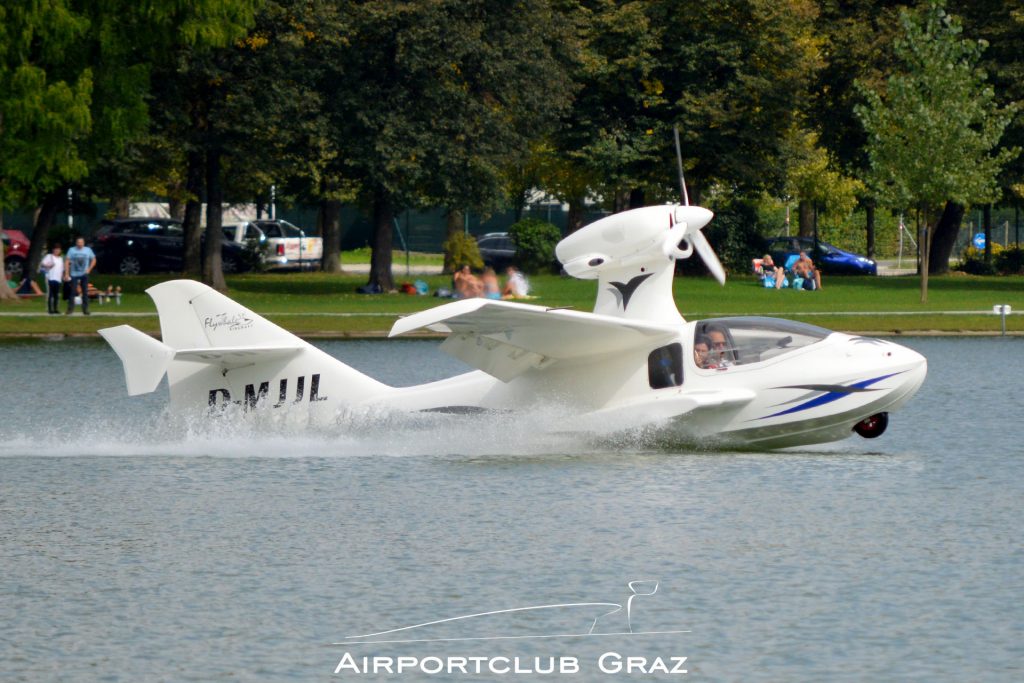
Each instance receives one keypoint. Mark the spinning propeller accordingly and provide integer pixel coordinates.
(688, 223)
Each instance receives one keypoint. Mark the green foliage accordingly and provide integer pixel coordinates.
(463, 250)
(735, 235)
(812, 176)
(45, 97)
(535, 242)
(976, 266)
(933, 132)
(253, 256)
(1000, 24)
(1005, 261)
(1010, 261)
(432, 101)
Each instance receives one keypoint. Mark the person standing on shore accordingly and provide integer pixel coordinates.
(81, 261)
(53, 266)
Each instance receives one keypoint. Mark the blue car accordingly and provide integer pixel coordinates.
(831, 260)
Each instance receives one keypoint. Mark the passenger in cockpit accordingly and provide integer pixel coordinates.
(701, 351)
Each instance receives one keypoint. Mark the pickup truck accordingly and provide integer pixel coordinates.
(283, 245)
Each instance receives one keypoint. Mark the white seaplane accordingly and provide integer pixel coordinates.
(632, 364)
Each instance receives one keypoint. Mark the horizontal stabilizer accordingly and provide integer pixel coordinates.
(145, 359)
(236, 356)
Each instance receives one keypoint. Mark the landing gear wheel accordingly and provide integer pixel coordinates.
(872, 427)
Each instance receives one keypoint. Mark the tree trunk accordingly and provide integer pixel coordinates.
(926, 240)
(192, 259)
(620, 201)
(987, 219)
(869, 219)
(454, 224)
(806, 219)
(944, 238)
(636, 198)
(40, 231)
(121, 206)
(574, 221)
(330, 217)
(176, 208)
(213, 273)
(383, 231)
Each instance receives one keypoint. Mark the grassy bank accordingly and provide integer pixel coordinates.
(319, 304)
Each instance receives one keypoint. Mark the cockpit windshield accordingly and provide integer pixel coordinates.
(725, 342)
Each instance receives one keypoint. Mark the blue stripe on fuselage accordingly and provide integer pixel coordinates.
(830, 396)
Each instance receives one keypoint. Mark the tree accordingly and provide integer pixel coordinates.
(933, 132)
(432, 101)
(812, 178)
(1001, 25)
(46, 91)
(736, 73)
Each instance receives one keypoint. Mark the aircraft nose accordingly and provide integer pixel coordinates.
(910, 362)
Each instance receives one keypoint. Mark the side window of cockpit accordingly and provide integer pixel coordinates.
(665, 367)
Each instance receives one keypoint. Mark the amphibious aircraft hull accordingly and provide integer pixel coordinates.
(222, 358)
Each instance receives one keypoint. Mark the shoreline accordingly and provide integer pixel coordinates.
(334, 335)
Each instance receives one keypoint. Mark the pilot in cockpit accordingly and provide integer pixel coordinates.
(720, 352)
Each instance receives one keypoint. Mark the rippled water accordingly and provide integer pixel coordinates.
(134, 547)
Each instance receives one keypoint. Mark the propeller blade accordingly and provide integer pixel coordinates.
(703, 247)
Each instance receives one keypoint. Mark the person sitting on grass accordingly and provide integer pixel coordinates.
(489, 282)
(517, 286)
(466, 285)
(772, 272)
(26, 289)
(804, 267)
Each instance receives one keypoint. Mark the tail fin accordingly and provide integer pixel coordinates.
(216, 352)
(194, 316)
(145, 359)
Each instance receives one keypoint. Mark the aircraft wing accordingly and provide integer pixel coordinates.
(506, 338)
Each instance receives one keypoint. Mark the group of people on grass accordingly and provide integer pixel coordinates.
(67, 274)
(468, 286)
(802, 268)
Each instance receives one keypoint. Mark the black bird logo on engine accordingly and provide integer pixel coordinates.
(624, 292)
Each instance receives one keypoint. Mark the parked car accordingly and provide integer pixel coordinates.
(283, 245)
(497, 249)
(832, 260)
(137, 245)
(15, 252)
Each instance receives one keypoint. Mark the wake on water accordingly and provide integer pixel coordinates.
(353, 433)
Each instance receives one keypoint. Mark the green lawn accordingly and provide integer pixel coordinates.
(321, 304)
(416, 258)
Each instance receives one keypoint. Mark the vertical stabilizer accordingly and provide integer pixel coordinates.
(194, 316)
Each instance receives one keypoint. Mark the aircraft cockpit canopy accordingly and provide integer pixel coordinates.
(741, 341)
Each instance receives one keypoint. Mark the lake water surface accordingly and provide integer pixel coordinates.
(134, 547)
